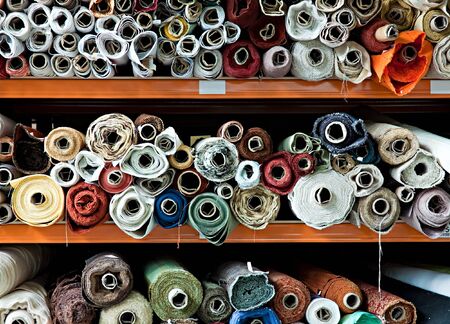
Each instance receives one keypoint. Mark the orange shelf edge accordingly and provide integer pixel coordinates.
(275, 233)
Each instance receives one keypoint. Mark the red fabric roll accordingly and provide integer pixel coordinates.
(137, 6)
(368, 39)
(241, 60)
(277, 173)
(3, 73)
(87, 205)
(303, 164)
(17, 67)
(242, 12)
(268, 32)
(113, 180)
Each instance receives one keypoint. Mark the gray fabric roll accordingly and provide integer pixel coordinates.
(212, 17)
(84, 20)
(6, 214)
(208, 64)
(154, 187)
(40, 65)
(232, 32)
(213, 39)
(215, 306)
(18, 25)
(65, 174)
(405, 194)
(188, 46)
(166, 51)
(144, 161)
(128, 28)
(224, 190)
(66, 44)
(89, 165)
(365, 179)
(102, 69)
(40, 40)
(113, 47)
(108, 23)
(304, 22)
(312, 61)
(87, 46)
(248, 174)
(277, 62)
(39, 16)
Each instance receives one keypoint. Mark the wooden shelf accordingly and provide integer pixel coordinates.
(281, 232)
(287, 88)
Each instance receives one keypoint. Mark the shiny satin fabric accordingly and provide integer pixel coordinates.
(113, 180)
(171, 209)
(65, 174)
(256, 145)
(241, 60)
(133, 309)
(64, 143)
(268, 32)
(144, 161)
(215, 306)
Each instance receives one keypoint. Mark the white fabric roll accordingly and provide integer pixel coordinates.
(425, 5)
(144, 20)
(89, 165)
(232, 32)
(105, 24)
(182, 67)
(188, 46)
(66, 44)
(81, 66)
(65, 174)
(102, 69)
(352, 63)
(40, 65)
(166, 51)
(10, 46)
(214, 38)
(142, 53)
(365, 179)
(329, 6)
(304, 21)
(224, 190)
(35, 44)
(312, 61)
(272, 8)
(62, 66)
(212, 17)
(208, 64)
(18, 25)
(144, 161)
(405, 194)
(156, 186)
(39, 16)
(113, 47)
(48, 3)
(248, 174)
(84, 20)
(168, 141)
(128, 28)
(67, 24)
(277, 62)
(323, 306)
(87, 46)
(192, 12)
(334, 34)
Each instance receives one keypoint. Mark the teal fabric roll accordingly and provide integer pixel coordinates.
(360, 317)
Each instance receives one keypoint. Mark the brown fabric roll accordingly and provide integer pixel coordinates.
(182, 159)
(256, 145)
(190, 183)
(291, 298)
(148, 127)
(6, 149)
(342, 291)
(64, 143)
(232, 131)
(101, 8)
(343, 163)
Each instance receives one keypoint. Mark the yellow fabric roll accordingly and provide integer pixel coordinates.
(174, 28)
(182, 159)
(64, 143)
(37, 200)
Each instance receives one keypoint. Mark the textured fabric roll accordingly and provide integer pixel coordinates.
(113, 180)
(312, 61)
(255, 208)
(133, 309)
(188, 46)
(65, 174)
(405, 194)
(342, 291)
(89, 165)
(441, 58)
(435, 23)
(3, 74)
(424, 5)
(277, 173)
(291, 298)
(210, 215)
(352, 63)
(182, 159)
(365, 10)
(148, 127)
(144, 161)
(182, 67)
(303, 164)
(18, 25)
(190, 183)
(171, 209)
(248, 174)
(430, 212)
(215, 306)
(29, 155)
(334, 34)
(343, 163)
(84, 20)
(400, 13)
(133, 212)
(329, 6)
(168, 141)
(61, 21)
(6, 214)
(17, 67)
(391, 308)
(11, 46)
(116, 55)
(380, 210)
(247, 287)
(63, 143)
(7, 174)
(304, 22)
(322, 199)
(268, 32)
(242, 14)
(208, 64)
(37, 200)
(154, 187)
(276, 62)
(378, 36)
(101, 8)
(345, 17)
(241, 60)
(232, 131)
(173, 291)
(340, 132)
(40, 65)
(365, 179)
(262, 315)
(360, 317)
(106, 280)
(255, 145)
(323, 311)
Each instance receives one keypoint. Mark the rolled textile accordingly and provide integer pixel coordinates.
(113, 47)
(62, 66)
(323, 311)
(38, 15)
(171, 209)
(7, 174)
(182, 159)
(303, 164)
(360, 317)
(143, 19)
(37, 200)
(277, 173)
(405, 194)
(101, 8)
(232, 32)
(166, 51)
(188, 46)
(144, 161)
(108, 23)
(365, 179)
(84, 20)
(19, 264)
(173, 291)
(210, 215)
(400, 13)
(248, 174)
(3, 74)
(181, 321)
(65, 174)
(380, 210)
(323, 159)
(365, 10)
(148, 126)
(89, 165)
(291, 298)
(429, 213)
(106, 280)
(16, 6)
(329, 6)
(154, 187)
(7, 127)
(255, 208)
(17, 67)
(190, 183)
(212, 17)
(61, 21)
(345, 17)
(87, 46)
(241, 60)
(27, 304)
(441, 58)
(208, 64)
(145, 5)
(256, 145)
(68, 305)
(352, 63)
(174, 27)
(276, 62)
(133, 309)
(378, 36)
(268, 32)
(111, 136)
(262, 315)
(334, 34)
(87, 206)
(18, 25)
(64, 143)
(40, 65)
(10, 45)
(182, 67)
(168, 141)
(215, 306)
(343, 163)
(6, 214)
(304, 22)
(66, 44)
(390, 307)
(312, 61)
(435, 23)
(242, 14)
(232, 131)
(128, 28)
(297, 143)
(322, 199)
(133, 212)
(367, 153)
(192, 12)
(224, 190)
(248, 287)
(113, 180)
(425, 5)
(345, 293)
(213, 39)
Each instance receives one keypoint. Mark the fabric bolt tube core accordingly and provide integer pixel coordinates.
(365, 10)
(277, 173)
(134, 309)
(256, 145)
(113, 180)
(18, 25)
(64, 143)
(334, 34)
(345, 17)
(144, 161)
(297, 143)
(213, 39)
(378, 35)
(40, 65)
(61, 21)
(115, 49)
(276, 62)
(435, 23)
(329, 6)
(182, 67)
(7, 174)
(208, 64)
(241, 60)
(215, 306)
(84, 20)
(312, 61)
(224, 190)
(10, 46)
(65, 174)
(171, 209)
(304, 22)
(343, 163)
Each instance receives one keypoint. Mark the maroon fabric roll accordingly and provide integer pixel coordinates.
(241, 60)
(87, 205)
(303, 164)
(17, 67)
(113, 180)
(190, 183)
(145, 6)
(268, 32)
(255, 145)
(368, 39)
(3, 74)
(277, 173)
(242, 12)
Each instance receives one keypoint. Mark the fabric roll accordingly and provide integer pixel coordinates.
(2, 13)
(343, 163)
(400, 13)
(323, 159)
(291, 298)
(213, 39)
(192, 12)
(87, 46)
(345, 293)
(390, 307)
(188, 46)
(84, 20)
(276, 62)
(429, 213)
(323, 311)
(148, 127)
(182, 159)
(133, 309)
(248, 288)
(89, 165)
(181, 321)
(173, 291)
(182, 67)
(7, 174)
(17, 67)
(441, 58)
(277, 173)
(297, 143)
(435, 24)
(405, 194)
(312, 61)
(6, 148)
(378, 36)
(322, 199)
(171, 209)
(174, 27)
(6, 214)
(360, 317)
(61, 21)
(352, 63)
(81, 66)
(273, 9)
(113, 180)
(108, 23)
(421, 172)
(28, 154)
(242, 14)
(329, 6)
(65, 174)
(190, 183)
(210, 215)
(40, 65)
(11, 46)
(168, 141)
(262, 315)
(154, 187)
(365, 11)
(106, 280)
(133, 212)
(66, 44)
(62, 66)
(16, 6)
(255, 208)
(232, 131)
(67, 303)
(232, 32)
(18, 25)
(424, 5)
(241, 60)
(143, 19)
(212, 17)
(215, 306)
(334, 35)
(145, 5)
(208, 64)
(304, 22)
(128, 28)
(365, 179)
(40, 40)
(37, 200)
(367, 153)
(113, 47)
(38, 15)
(256, 145)
(345, 17)
(144, 161)
(68, 4)
(248, 174)
(64, 143)
(268, 32)
(303, 164)
(380, 210)
(165, 51)
(27, 304)
(224, 190)
(101, 8)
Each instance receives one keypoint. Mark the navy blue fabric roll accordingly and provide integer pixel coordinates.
(340, 132)
(265, 315)
(367, 153)
(171, 209)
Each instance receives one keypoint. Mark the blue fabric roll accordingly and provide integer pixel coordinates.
(174, 218)
(367, 153)
(265, 315)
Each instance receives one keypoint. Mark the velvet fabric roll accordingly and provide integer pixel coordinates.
(190, 183)
(268, 32)
(276, 62)
(6, 213)
(304, 22)
(378, 36)
(148, 127)
(168, 141)
(89, 165)
(106, 280)
(441, 58)
(18, 67)
(365, 179)
(144, 161)
(322, 311)
(171, 209)
(435, 23)
(242, 14)
(352, 63)
(365, 11)
(64, 143)
(367, 153)
(303, 164)
(241, 60)
(312, 61)
(182, 159)
(154, 187)
(113, 180)
(400, 13)
(215, 306)
(232, 131)
(360, 317)
(343, 163)
(248, 174)
(262, 315)
(133, 309)
(255, 145)
(291, 298)
(277, 173)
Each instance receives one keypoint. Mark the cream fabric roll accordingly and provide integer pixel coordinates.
(64, 143)
(168, 141)
(352, 63)
(6, 214)
(192, 12)
(144, 161)
(61, 21)
(13, 6)
(365, 10)
(84, 20)
(40, 40)
(345, 17)
(272, 8)
(208, 64)
(135, 309)
(425, 5)
(248, 174)
(298, 143)
(329, 6)
(304, 22)
(334, 34)
(11, 46)
(39, 16)
(40, 65)
(65, 174)
(365, 179)
(312, 61)
(277, 62)
(89, 165)
(21, 30)
(156, 186)
(441, 58)
(62, 66)
(113, 47)
(144, 20)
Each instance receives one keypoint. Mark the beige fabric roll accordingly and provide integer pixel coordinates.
(343, 163)
(64, 143)
(182, 159)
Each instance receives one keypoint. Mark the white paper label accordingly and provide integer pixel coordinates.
(207, 87)
(440, 86)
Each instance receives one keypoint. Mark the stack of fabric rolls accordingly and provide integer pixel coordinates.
(140, 175)
(310, 40)
(104, 292)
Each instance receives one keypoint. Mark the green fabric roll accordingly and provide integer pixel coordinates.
(174, 292)
(134, 309)
(215, 306)
(210, 215)
(298, 143)
(360, 317)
